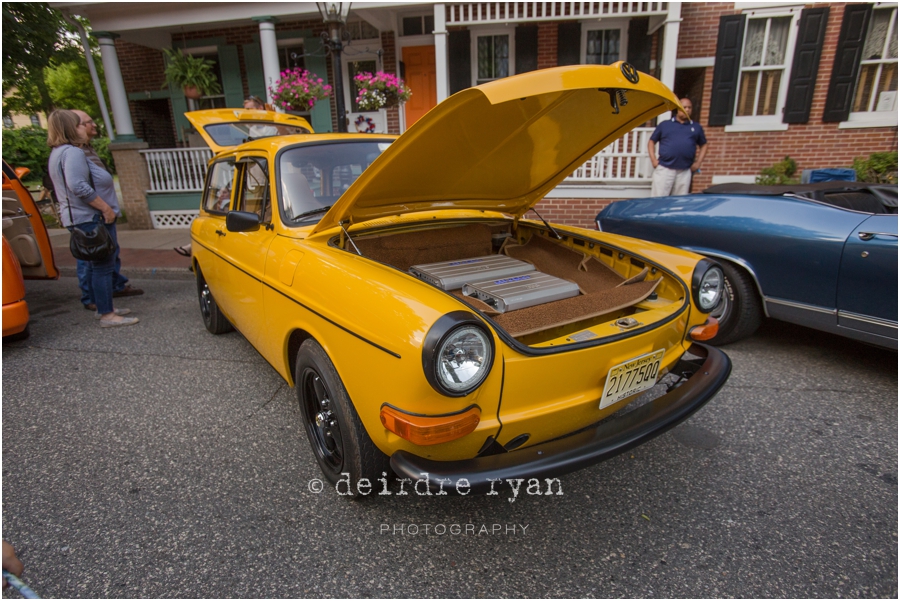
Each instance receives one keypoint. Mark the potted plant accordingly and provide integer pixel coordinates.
(299, 90)
(194, 74)
(381, 90)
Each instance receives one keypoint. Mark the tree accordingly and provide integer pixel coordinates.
(35, 37)
(71, 87)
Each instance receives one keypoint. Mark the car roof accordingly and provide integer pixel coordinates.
(855, 196)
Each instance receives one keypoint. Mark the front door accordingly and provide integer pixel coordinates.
(421, 77)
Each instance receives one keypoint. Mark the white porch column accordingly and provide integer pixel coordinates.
(670, 45)
(268, 44)
(115, 86)
(442, 66)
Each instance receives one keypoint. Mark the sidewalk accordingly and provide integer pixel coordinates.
(144, 253)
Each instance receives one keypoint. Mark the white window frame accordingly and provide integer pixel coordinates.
(477, 32)
(286, 43)
(420, 15)
(620, 24)
(874, 118)
(363, 50)
(769, 122)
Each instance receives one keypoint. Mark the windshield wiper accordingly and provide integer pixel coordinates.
(312, 212)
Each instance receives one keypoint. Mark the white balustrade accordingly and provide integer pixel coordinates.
(506, 12)
(177, 169)
(624, 161)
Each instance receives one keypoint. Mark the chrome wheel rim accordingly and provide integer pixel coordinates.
(723, 309)
(205, 301)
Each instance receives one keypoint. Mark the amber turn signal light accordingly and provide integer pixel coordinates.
(707, 331)
(427, 430)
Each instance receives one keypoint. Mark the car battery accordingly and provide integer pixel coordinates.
(451, 275)
(519, 292)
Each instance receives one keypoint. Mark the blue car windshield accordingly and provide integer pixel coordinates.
(313, 176)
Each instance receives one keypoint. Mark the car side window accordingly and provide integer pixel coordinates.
(254, 196)
(218, 190)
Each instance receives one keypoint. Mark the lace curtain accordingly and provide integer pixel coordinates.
(755, 42)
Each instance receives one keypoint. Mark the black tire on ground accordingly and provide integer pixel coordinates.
(339, 441)
(213, 319)
(740, 311)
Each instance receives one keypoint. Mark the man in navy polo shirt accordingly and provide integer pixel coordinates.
(678, 140)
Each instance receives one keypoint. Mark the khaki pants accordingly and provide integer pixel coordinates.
(670, 182)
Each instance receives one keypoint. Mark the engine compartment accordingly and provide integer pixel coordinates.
(611, 284)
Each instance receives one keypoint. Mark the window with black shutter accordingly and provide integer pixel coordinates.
(460, 71)
(568, 45)
(727, 69)
(806, 64)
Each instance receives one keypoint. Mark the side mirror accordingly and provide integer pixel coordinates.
(241, 221)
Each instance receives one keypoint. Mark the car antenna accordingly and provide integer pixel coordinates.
(349, 239)
(549, 227)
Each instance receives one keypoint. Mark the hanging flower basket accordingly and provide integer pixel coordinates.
(299, 90)
(381, 90)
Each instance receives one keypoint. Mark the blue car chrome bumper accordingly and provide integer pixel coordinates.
(599, 442)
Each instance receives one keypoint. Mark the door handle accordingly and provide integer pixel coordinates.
(220, 232)
(865, 236)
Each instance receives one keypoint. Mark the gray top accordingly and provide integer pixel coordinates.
(84, 181)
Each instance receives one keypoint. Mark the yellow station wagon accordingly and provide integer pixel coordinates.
(426, 325)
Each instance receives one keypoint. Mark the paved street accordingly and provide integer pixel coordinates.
(161, 461)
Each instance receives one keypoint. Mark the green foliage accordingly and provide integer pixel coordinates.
(186, 70)
(27, 147)
(101, 145)
(34, 37)
(781, 172)
(71, 87)
(879, 168)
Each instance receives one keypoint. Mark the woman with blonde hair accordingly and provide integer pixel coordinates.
(87, 200)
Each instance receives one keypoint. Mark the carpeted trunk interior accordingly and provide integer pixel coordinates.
(603, 290)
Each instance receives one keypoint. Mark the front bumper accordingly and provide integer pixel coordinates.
(597, 443)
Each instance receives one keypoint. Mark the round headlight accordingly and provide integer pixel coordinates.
(708, 292)
(457, 354)
(463, 358)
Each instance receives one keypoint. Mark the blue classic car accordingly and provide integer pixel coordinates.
(818, 255)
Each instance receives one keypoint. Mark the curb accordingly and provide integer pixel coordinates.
(138, 273)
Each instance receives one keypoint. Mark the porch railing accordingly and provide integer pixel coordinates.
(622, 162)
(177, 169)
(625, 161)
(505, 12)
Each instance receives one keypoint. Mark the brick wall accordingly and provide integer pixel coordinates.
(389, 65)
(548, 36)
(813, 145)
(571, 211)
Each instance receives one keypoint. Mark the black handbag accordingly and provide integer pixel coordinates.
(96, 245)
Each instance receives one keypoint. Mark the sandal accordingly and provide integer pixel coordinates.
(182, 251)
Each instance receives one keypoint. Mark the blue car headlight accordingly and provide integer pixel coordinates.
(707, 285)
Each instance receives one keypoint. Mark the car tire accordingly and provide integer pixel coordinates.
(213, 319)
(339, 441)
(740, 311)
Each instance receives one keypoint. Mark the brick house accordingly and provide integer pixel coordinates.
(817, 82)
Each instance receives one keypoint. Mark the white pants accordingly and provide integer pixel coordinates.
(670, 182)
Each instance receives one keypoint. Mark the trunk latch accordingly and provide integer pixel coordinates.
(626, 323)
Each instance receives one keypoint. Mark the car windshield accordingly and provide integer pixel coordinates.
(314, 176)
(235, 134)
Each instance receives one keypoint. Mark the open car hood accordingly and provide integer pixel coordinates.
(503, 145)
(226, 128)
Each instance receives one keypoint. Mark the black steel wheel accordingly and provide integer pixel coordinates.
(213, 319)
(740, 310)
(338, 439)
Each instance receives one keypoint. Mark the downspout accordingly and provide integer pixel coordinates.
(101, 100)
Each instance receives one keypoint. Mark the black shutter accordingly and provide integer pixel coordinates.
(639, 43)
(526, 48)
(568, 44)
(806, 64)
(460, 50)
(727, 69)
(846, 62)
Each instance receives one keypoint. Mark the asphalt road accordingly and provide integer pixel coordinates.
(161, 461)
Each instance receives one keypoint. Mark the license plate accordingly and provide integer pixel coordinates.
(631, 377)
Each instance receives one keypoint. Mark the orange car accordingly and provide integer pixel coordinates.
(27, 253)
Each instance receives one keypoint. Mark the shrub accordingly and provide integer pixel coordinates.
(27, 147)
(780, 173)
(879, 168)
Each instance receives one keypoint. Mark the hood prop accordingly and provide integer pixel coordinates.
(616, 97)
(549, 227)
(346, 235)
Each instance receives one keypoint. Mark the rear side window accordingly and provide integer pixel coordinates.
(218, 188)
(254, 189)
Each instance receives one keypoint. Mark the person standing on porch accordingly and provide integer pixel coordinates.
(682, 148)
(121, 287)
